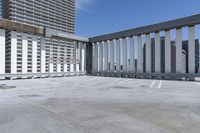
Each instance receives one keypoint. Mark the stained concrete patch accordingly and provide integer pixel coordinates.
(103, 105)
(4, 86)
(121, 87)
(29, 96)
(144, 86)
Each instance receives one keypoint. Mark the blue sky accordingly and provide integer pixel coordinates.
(97, 17)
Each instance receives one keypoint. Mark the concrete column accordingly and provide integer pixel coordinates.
(43, 55)
(167, 52)
(118, 65)
(51, 59)
(101, 57)
(139, 61)
(51, 67)
(191, 50)
(58, 62)
(112, 56)
(58, 66)
(24, 53)
(125, 54)
(13, 52)
(98, 56)
(65, 60)
(83, 56)
(72, 61)
(148, 53)
(132, 57)
(199, 63)
(2, 53)
(105, 56)
(71, 67)
(34, 54)
(77, 57)
(94, 57)
(65, 67)
(179, 50)
(157, 53)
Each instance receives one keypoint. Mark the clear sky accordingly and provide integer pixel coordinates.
(97, 17)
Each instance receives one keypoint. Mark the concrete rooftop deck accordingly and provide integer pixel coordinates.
(99, 105)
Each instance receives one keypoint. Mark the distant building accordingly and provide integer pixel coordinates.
(173, 56)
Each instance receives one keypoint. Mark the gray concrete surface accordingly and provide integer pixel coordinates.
(99, 105)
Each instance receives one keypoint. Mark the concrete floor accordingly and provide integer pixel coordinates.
(99, 105)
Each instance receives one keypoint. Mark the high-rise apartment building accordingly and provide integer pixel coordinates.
(54, 14)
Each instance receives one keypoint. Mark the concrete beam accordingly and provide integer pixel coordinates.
(177, 23)
(20, 27)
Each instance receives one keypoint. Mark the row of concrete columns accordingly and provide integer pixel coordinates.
(100, 53)
(77, 62)
(13, 51)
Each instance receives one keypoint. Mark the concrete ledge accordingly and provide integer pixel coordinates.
(147, 75)
(40, 75)
(20, 27)
(62, 35)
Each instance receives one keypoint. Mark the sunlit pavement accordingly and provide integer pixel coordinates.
(99, 105)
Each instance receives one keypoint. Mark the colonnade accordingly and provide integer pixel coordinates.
(28, 54)
(79, 63)
(130, 61)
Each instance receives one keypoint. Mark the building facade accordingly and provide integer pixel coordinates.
(54, 48)
(54, 14)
